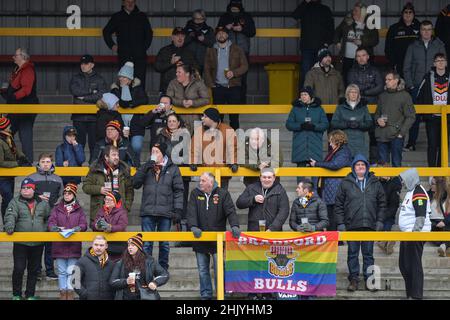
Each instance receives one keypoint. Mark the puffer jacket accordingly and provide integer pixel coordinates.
(442, 27)
(48, 181)
(197, 47)
(118, 219)
(68, 152)
(356, 208)
(369, 80)
(274, 210)
(328, 86)
(196, 91)
(315, 211)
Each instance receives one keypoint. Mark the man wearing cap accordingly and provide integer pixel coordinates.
(225, 64)
(326, 81)
(214, 145)
(26, 213)
(106, 175)
(134, 36)
(162, 197)
(114, 137)
(70, 153)
(171, 56)
(86, 87)
(10, 157)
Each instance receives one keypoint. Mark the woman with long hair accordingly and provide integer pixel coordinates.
(440, 210)
(137, 276)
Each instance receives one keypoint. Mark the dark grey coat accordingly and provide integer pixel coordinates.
(315, 211)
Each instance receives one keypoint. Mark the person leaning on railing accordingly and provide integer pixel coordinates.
(440, 206)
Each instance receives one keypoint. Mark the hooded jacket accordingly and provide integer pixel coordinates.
(307, 144)
(241, 39)
(315, 211)
(360, 203)
(48, 181)
(71, 153)
(94, 279)
(427, 87)
(328, 86)
(210, 213)
(274, 210)
(398, 106)
(60, 218)
(369, 80)
(197, 47)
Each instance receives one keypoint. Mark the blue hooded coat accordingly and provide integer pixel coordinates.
(73, 154)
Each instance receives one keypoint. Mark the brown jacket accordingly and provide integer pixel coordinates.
(195, 91)
(237, 62)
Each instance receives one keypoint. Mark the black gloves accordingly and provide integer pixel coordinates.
(236, 232)
(55, 229)
(353, 124)
(306, 227)
(307, 126)
(24, 162)
(234, 167)
(176, 215)
(193, 167)
(197, 232)
(148, 165)
(102, 225)
(341, 227)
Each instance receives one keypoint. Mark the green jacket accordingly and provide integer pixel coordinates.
(328, 86)
(19, 219)
(7, 158)
(95, 180)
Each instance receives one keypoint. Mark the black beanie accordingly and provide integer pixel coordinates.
(409, 6)
(308, 90)
(213, 114)
(162, 147)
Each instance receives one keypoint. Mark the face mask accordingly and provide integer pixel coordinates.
(153, 158)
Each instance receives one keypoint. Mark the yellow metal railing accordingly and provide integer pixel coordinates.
(219, 237)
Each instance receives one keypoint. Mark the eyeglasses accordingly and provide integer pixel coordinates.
(408, 12)
(440, 60)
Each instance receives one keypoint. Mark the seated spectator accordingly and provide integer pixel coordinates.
(107, 111)
(338, 157)
(66, 215)
(114, 138)
(70, 153)
(131, 94)
(188, 90)
(307, 121)
(308, 212)
(136, 276)
(440, 216)
(352, 116)
(112, 217)
(172, 56)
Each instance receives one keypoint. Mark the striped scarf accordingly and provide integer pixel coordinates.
(8, 137)
(103, 258)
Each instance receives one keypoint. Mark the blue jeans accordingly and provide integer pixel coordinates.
(7, 193)
(353, 258)
(203, 264)
(136, 144)
(153, 223)
(309, 58)
(392, 149)
(64, 267)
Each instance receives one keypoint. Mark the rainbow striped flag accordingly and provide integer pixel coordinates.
(304, 266)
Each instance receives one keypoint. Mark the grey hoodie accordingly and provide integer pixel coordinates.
(410, 178)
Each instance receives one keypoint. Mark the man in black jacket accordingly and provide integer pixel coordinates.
(209, 208)
(162, 198)
(92, 272)
(317, 30)
(360, 205)
(134, 36)
(442, 28)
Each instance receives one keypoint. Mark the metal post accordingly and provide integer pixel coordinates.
(218, 175)
(444, 137)
(219, 266)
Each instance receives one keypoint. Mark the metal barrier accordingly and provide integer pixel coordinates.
(219, 237)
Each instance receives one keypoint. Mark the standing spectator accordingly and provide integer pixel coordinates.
(392, 187)
(353, 32)
(400, 35)
(199, 37)
(162, 197)
(353, 117)
(86, 87)
(136, 276)
(209, 209)
(134, 36)
(308, 212)
(10, 157)
(266, 200)
(260, 153)
(66, 215)
(419, 59)
(308, 122)
(107, 111)
(131, 94)
(325, 80)
(172, 56)
(225, 66)
(106, 175)
(49, 187)
(112, 217)
(26, 213)
(360, 205)
(157, 117)
(188, 90)
(317, 29)
(114, 137)
(21, 89)
(70, 153)
(339, 156)
(95, 269)
(219, 136)
(414, 216)
(440, 204)
(434, 89)
(442, 29)
(240, 27)
(394, 116)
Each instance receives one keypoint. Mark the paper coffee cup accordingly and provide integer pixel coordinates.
(304, 220)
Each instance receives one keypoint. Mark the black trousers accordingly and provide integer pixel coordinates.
(410, 263)
(23, 123)
(26, 257)
(224, 95)
(7, 193)
(332, 221)
(86, 132)
(433, 129)
(140, 67)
